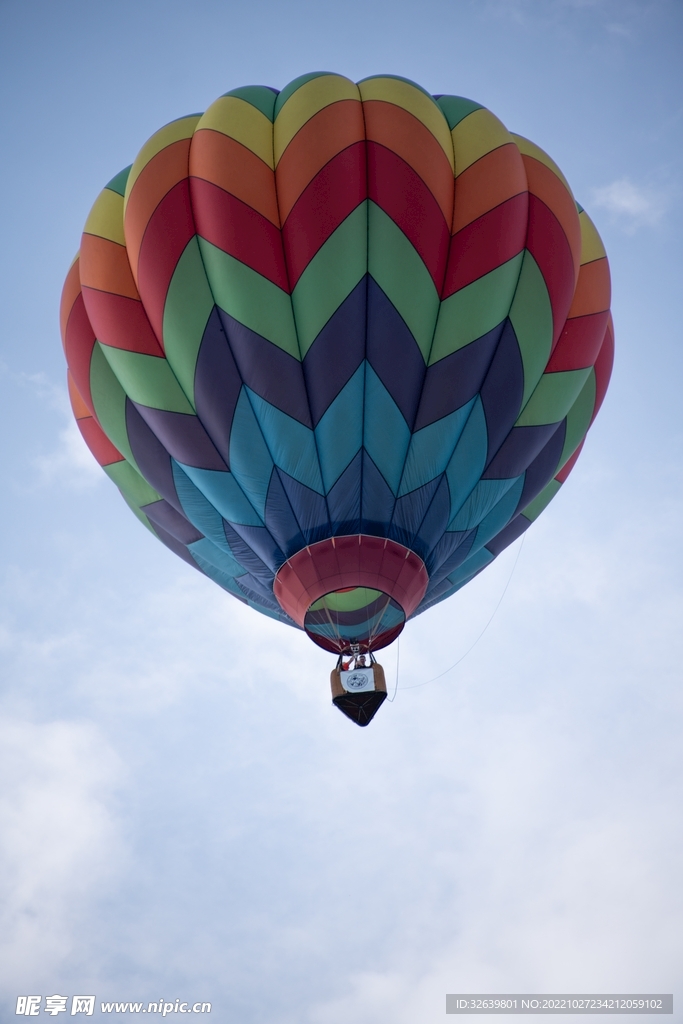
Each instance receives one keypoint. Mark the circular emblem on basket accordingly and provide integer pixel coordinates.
(359, 680)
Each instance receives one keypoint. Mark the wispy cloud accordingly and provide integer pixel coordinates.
(631, 205)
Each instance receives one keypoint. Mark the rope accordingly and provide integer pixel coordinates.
(415, 686)
(398, 655)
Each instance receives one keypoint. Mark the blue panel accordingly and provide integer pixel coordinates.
(485, 495)
(291, 444)
(469, 458)
(386, 435)
(255, 549)
(204, 549)
(339, 433)
(224, 493)
(250, 459)
(409, 512)
(450, 552)
(309, 507)
(281, 521)
(431, 449)
(470, 567)
(199, 510)
(343, 499)
(377, 501)
(499, 516)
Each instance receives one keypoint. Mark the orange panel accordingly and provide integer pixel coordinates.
(327, 133)
(105, 266)
(550, 190)
(70, 292)
(163, 171)
(80, 409)
(593, 290)
(487, 183)
(236, 169)
(401, 132)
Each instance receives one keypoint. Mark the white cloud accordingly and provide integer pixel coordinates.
(631, 205)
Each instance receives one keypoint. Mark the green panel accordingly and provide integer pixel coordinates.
(456, 108)
(578, 420)
(532, 319)
(147, 380)
(290, 89)
(109, 400)
(260, 96)
(553, 397)
(475, 310)
(140, 515)
(541, 501)
(347, 600)
(398, 269)
(118, 182)
(250, 298)
(332, 274)
(133, 487)
(188, 306)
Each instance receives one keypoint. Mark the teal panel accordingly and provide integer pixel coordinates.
(188, 306)
(431, 449)
(260, 96)
(470, 567)
(291, 444)
(198, 509)
(483, 498)
(456, 108)
(339, 433)
(205, 550)
(386, 434)
(250, 459)
(223, 492)
(118, 182)
(499, 516)
(398, 269)
(469, 458)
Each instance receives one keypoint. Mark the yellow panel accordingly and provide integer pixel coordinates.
(476, 135)
(183, 128)
(106, 217)
(241, 121)
(307, 101)
(528, 148)
(416, 102)
(591, 243)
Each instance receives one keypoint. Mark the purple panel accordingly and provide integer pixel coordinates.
(543, 468)
(502, 390)
(183, 437)
(518, 451)
(255, 549)
(310, 509)
(377, 499)
(151, 456)
(514, 529)
(457, 378)
(217, 385)
(393, 353)
(273, 374)
(176, 547)
(343, 499)
(337, 352)
(164, 515)
(449, 552)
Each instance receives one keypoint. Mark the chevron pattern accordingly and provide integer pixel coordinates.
(338, 309)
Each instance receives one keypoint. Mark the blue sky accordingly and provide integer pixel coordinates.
(183, 815)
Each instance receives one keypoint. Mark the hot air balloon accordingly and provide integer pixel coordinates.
(338, 346)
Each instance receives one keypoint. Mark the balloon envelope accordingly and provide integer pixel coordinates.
(338, 346)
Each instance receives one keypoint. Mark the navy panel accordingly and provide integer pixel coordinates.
(254, 548)
(256, 590)
(176, 547)
(309, 507)
(377, 499)
(409, 512)
(337, 352)
(433, 526)
(543, 468)
(456, 379)
(270, 372)
(449, 552)
(152, 458)
(343, 500)
(217, 384)
(162, 514)
(503, 389)
(280, 520)
(520, 448)
(393, 353)
(514, 529)
(183, 436)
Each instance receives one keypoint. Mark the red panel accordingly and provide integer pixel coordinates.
(121, 322)
(98, 442)
(603, 367)
(403, 195)
(79, 341)
(579, 343)
(236, 228)
(169, 230)
(569, 464)
(328, 200)
(547, 243)
(487, 243)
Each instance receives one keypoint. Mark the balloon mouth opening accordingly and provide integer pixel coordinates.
(354, 591)
(358, 619)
